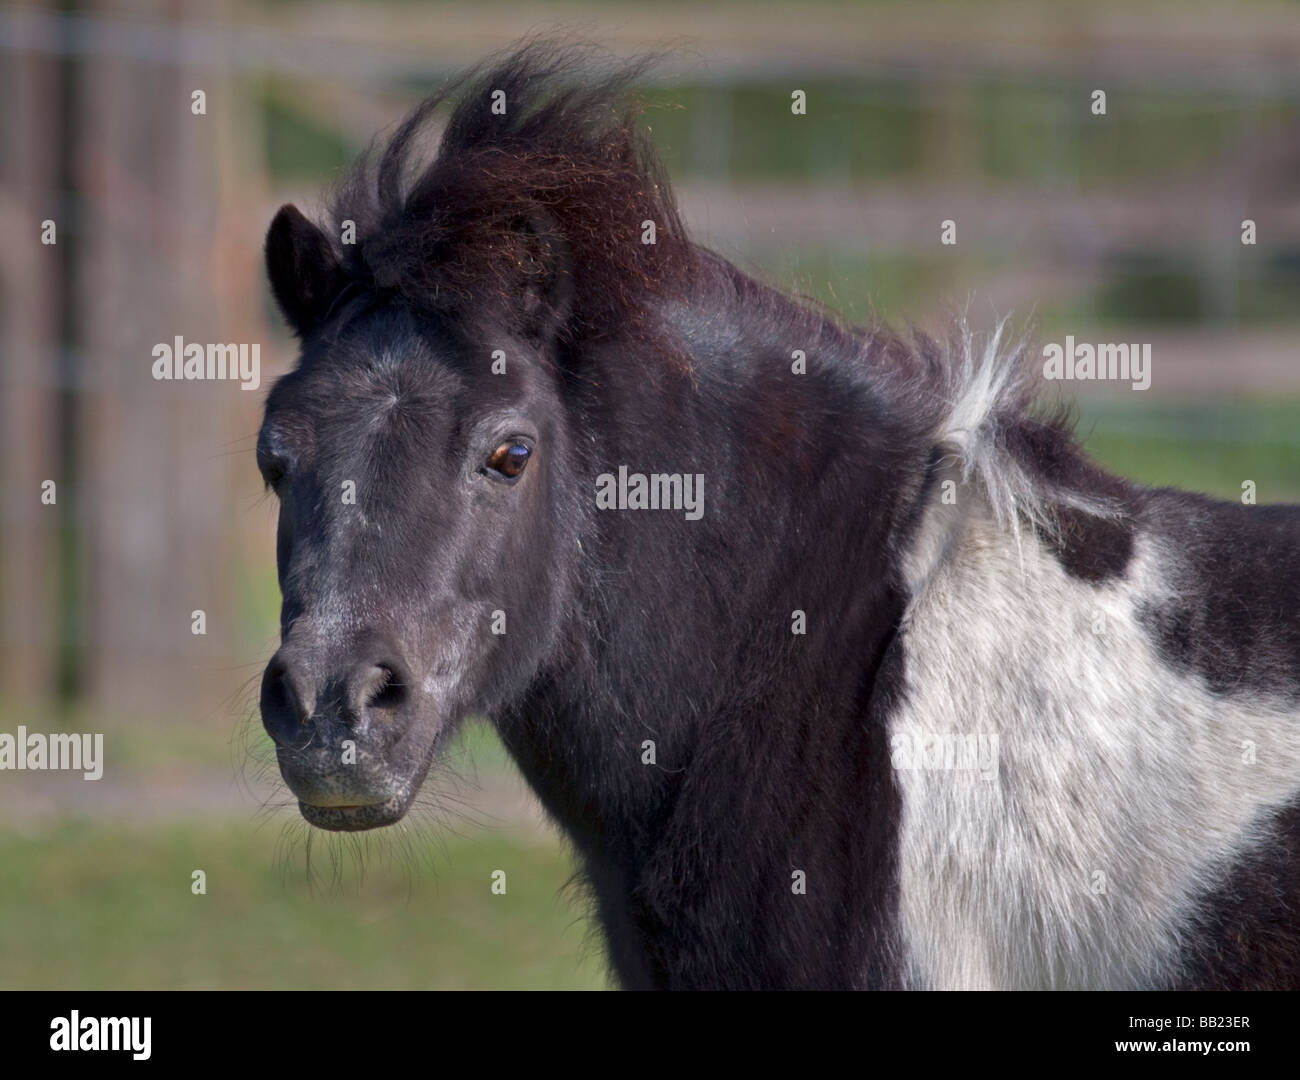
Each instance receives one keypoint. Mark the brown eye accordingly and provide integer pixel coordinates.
(508, 459)
(272, 467)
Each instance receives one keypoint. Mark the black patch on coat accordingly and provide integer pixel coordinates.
(1094, 547)
(1234, 617)
(1245, 934)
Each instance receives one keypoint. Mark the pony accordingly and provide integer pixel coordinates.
(920, 697)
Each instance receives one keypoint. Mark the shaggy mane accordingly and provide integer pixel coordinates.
(547, 199)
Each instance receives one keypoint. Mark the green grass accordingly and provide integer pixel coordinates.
(296, 144)
(860, 289)
(1210, 447)
(89, 907)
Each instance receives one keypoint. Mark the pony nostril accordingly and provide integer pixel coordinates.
(384, 689)
(283, 712)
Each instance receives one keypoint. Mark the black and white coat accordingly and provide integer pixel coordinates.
(1124, 662)
(1138, 658)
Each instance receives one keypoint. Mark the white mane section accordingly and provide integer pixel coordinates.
(986, 386)
(990, 384)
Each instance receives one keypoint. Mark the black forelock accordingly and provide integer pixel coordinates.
(547, 199)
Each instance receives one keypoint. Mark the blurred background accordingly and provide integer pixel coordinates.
(1125, 227)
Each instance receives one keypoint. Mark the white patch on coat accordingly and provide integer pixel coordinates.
(1116, 772)
(1122, 787)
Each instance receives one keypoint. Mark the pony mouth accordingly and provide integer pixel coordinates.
(355, 803)
(353, 818)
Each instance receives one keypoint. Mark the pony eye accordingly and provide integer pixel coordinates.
(508, 459)
(272, 468)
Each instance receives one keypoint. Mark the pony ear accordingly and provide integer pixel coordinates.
(305, 273)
